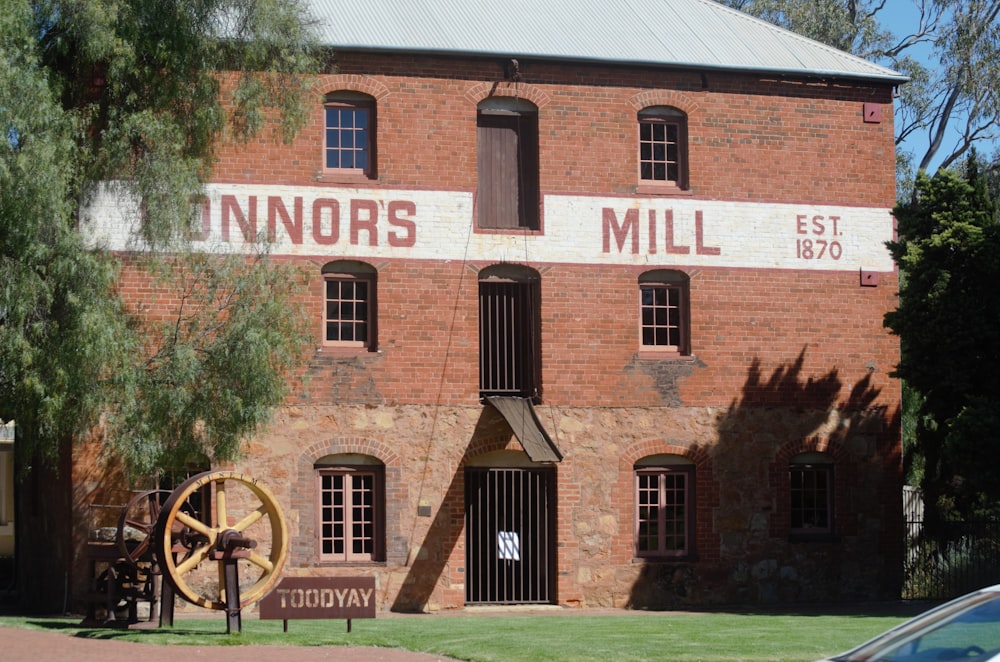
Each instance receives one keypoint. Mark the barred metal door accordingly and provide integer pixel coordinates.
(510, 536)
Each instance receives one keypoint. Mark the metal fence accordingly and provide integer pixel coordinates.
(940, 570)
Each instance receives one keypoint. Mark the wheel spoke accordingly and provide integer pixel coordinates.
(222, 581)
(136, 524)
(192, 561)
(261, 561)
(250, 519)
(222, 517)
(193, 523)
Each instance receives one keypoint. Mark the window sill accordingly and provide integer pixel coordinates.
(691, 558)
(344, 350)
(664, 190)
(508, 231)
(646, 354)
(334, 177)
(813, 537)
(351, 564)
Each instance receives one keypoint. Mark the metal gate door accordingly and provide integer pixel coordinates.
(510, 536)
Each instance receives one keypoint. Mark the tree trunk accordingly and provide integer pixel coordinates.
(43, 553)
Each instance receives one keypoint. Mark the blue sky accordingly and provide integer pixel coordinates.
(901, 17)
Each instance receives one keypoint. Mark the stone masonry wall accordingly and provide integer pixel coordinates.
(743, 552)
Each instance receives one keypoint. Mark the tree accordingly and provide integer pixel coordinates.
(129, 91)
(949, 249)
(60, 323)
(950, 107)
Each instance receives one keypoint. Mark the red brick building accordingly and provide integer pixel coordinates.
(598, 302)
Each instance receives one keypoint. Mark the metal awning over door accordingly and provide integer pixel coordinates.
(520, 415)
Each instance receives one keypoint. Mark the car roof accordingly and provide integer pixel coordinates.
(914, 626)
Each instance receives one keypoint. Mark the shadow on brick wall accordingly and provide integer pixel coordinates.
(430, 564)
(745, 553)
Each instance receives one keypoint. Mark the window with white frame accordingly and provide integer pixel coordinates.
(664, 312)
(663, 148)
(349, 304)
(349, 135)
(664, 507)
(350, 509)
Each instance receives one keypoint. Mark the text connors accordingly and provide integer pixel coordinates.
(325, 221)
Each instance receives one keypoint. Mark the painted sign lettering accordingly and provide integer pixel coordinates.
(367, 222)
(629, 228)
(820, 243)
(376, 224)
(325, 598)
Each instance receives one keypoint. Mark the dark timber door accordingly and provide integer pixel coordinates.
(510, 535)
(508, 171)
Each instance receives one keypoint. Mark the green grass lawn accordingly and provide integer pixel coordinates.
(576, 636)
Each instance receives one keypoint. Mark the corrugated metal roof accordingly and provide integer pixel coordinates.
(677, 33)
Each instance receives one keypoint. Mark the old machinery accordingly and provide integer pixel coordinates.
(123, 570)
(221, 541)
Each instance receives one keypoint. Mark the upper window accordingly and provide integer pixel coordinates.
(349, 144)
(663, 311)
(507, 138)
(351, 492)
(349, 304)
(663, 147)
(664, 503)
(811, 494)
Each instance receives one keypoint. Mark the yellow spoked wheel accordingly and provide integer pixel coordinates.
(220, 517)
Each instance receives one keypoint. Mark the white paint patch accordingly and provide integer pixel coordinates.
(439, 225)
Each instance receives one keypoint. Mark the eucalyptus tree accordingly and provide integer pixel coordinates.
(949, 48)
(138, 94)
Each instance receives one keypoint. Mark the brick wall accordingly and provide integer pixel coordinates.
(752, 137)
(783, 360)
